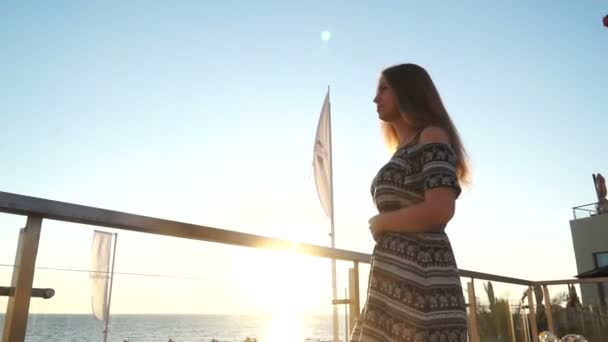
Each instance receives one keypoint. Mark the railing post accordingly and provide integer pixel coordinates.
(532, 313)
(346, 332)
(511, 325)
(473, 331)
(548, 309)
(526, 326)
(17, 310)
(353, 275)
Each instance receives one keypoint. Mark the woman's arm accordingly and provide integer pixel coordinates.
(429, 216)
(436, 210)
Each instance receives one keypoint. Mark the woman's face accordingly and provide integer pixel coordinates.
(386, 102)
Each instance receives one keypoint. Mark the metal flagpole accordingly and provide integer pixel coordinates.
(333, 232)
(105, 332)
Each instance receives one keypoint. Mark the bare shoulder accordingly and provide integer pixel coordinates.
(434, 134)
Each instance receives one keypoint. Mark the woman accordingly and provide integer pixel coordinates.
(414, 291)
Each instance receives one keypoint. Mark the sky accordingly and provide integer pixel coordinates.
(205, 112)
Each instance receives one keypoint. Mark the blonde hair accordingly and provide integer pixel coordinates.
(390, 136)
(419, 99)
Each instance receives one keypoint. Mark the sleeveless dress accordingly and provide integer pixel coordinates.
(414, 291)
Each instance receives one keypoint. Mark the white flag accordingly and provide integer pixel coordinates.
(99, 275)
(322, 157)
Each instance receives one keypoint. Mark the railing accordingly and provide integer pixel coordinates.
(523, 320)
(585, 210)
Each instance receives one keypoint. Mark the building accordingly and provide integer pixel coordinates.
(589, 229)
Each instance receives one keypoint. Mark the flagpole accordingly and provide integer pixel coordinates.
(105, 332)
(333, 231)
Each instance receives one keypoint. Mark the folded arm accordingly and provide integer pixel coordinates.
(438, 206)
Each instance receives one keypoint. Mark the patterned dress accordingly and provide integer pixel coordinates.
(414, 292)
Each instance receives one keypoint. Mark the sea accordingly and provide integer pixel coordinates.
(179, 328)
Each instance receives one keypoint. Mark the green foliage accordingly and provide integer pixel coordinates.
(493, 320)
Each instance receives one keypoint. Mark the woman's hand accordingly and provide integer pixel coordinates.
(375, 226)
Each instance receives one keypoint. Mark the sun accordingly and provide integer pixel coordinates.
(285, 326)
(285, 286)
(325, 36)
(283, 282)
(283, 291)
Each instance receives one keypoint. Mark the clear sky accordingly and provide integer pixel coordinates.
(205, 112)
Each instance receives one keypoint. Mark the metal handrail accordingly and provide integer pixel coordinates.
(68, 212)
(573, 281)
(582, 208)
(63, 211)
(39, 293)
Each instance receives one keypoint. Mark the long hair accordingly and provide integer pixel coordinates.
(421, 106)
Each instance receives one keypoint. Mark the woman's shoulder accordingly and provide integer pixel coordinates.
(434, 135)
(433, 145)
(430, 137)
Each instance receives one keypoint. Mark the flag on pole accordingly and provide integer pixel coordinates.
(322, 157)
(99, 275)
(322, 164)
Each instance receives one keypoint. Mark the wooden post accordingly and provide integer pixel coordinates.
(346, 331)
(353, 277)
(548, 310)
(526, 327)
(473, 331)
(532, 313)
(511, 325)
(17, 310)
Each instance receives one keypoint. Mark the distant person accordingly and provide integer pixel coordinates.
(414, 289)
